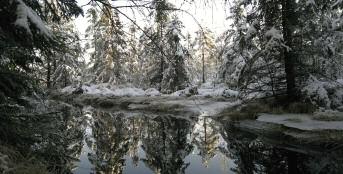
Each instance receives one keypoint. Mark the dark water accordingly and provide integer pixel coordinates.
(144, 144)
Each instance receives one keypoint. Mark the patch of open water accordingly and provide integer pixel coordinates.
(116, 143)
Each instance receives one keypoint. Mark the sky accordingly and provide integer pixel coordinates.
(212, 15)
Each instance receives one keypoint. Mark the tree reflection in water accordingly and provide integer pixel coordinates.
(252, 154)
(166, 145)
(163, 144)
(112, 140)
(206, 138)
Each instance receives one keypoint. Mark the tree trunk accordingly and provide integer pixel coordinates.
(288, 21)
(48, 73)
(203, 66)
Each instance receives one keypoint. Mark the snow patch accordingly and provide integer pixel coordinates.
(215, 108)
(68, 89)
(301, 121)
(208, 90)
(108, 90)
(217, 91)
(152, 92)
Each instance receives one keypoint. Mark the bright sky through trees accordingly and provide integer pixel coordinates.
(210, 14)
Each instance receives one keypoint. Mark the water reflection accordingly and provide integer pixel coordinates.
(117, 143)
(252, 155)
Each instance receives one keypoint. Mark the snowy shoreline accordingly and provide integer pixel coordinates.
(304, 122)
(208, 102)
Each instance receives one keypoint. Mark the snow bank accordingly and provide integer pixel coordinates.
(208, 90)
(105, 89)
(68, 89)
(301, 121)
(189, 91)
(108, 90)
(129, 92)
(215, 108)
(152, 92)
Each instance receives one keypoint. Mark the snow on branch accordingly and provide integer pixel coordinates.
(25, 16)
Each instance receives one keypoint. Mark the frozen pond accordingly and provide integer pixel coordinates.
(166, 144)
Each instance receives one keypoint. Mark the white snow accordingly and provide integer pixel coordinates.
(207, 89)
(183, 92)
(301, 121)
(108, 90)
(68, 89)
(104, 90)
(152, 92)
(196, 105)
(315, 89)
(129, 92)
(25, 15)
(214, 108)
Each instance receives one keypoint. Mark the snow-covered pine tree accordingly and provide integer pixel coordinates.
(254, 50)
(109, 44)
(67, 61)
(156, 44)
(133, 65)
(24, 36)
(175, 75)
(205, 61)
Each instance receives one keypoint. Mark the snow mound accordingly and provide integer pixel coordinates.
(108, 90)
(189, 91)
(218, 90)
(68, 89)
(207, 90)
(129, 92)
(152, 92)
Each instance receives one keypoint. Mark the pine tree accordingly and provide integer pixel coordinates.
(256, 58)
(23, 35)
(66, 63)
(275, 46)
(175, 75)
(204, 46)
(133, 65)
(109, 46)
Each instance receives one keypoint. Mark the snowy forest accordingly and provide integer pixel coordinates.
(262, 95)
